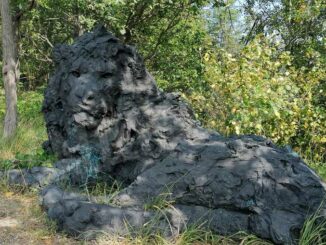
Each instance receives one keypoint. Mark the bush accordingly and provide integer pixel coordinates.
(261, 92)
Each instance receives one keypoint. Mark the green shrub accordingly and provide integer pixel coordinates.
(260, 92)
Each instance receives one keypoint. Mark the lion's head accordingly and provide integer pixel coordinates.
(102, 98)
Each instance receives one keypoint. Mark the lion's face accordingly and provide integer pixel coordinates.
(90, 87)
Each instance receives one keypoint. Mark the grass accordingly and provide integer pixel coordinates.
(20, 206)
(319, 167)
(102, 191)
(29, 225)
(25, 148)
(27, 142)
(314, 229)
(161, 201)
(23, 222)
(194, 235)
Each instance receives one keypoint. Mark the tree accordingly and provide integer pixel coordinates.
(155, 27)
(297, 24)
(10, 69)
(223, 22)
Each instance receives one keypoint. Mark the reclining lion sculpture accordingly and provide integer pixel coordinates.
(105, 116)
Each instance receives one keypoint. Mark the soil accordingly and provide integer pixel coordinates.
(22, 222)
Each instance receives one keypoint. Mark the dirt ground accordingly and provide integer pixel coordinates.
(22, 222)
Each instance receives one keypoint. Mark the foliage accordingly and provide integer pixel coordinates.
(223, 25)
(297, 24)
(198, 51)
(25, 149)
(151, 25)
(261, 92)
(177, 65)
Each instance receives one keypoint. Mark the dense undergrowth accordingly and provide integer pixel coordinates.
(260, 91)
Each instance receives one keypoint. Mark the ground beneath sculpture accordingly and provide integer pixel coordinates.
(23, 222)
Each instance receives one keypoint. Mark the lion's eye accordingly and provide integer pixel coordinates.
(90, 97)
(106, 75)
(75, 73)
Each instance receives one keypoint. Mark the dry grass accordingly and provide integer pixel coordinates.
(29, 138)
(23, 222)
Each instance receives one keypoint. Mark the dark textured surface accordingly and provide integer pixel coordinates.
(105, 114)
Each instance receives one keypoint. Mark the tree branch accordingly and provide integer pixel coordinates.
(174, 21)
(20, 14)
(133, 18)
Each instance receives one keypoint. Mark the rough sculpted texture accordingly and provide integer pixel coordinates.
(105, 116)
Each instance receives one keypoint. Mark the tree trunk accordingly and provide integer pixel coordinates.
(78, 28)
(9, 70)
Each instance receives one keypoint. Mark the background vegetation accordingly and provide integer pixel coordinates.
(246, 66)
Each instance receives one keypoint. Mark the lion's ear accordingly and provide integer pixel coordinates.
(61, 53)
(128, 56)
(100, 30)
(138, 65)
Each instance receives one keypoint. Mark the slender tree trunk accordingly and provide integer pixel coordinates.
(78, 28)
(9, 69)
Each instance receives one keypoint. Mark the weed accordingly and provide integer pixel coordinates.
(197, 234)
(102, 191)
(314, 229)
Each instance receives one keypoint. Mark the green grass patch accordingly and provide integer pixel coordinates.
(320, 169)
(314, 229)
(24, 150)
